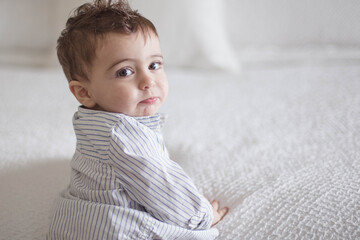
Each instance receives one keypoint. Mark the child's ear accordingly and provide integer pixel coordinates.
(80, 91)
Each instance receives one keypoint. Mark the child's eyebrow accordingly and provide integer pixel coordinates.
(157, 55)
(120, 61)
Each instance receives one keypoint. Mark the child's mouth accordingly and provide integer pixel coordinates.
(150, 101)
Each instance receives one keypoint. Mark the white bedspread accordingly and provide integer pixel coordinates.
(279, 145)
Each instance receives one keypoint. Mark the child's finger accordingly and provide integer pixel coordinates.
(223, 211)
(215, 204)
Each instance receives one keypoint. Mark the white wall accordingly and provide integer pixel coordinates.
(294, 22)
(24, 28)
(24, 24)
(29, 29)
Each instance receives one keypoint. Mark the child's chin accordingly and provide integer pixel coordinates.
(149, 111)
(144, 113)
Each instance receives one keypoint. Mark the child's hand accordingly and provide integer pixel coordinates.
(218, 213)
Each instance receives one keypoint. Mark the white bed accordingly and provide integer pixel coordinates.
(278, 143)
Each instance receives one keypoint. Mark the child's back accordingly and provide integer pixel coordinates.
(121, 178)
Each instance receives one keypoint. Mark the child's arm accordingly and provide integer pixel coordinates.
(156, 182)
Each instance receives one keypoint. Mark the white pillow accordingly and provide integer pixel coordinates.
(192, 33)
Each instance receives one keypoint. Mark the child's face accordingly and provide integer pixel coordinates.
(127, 75)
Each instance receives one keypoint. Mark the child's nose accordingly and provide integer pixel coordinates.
(147, 81)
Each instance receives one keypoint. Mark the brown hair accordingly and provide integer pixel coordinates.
(77, 43)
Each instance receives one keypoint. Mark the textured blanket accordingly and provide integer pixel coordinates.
(279, 145)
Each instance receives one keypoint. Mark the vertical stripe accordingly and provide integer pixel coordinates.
(123, 185)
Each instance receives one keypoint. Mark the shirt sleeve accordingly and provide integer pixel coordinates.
(142, 164)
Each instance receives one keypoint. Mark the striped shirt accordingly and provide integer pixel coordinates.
(124, 185)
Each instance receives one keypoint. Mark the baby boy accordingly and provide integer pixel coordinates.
(123, 183)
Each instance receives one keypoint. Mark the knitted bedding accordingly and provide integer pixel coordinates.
(279, 145)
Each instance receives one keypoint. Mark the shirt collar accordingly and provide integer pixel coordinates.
(154, 122)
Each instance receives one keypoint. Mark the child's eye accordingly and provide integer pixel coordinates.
(154, 65)
(124, 72)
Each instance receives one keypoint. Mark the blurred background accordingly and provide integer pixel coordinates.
(211, 34)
